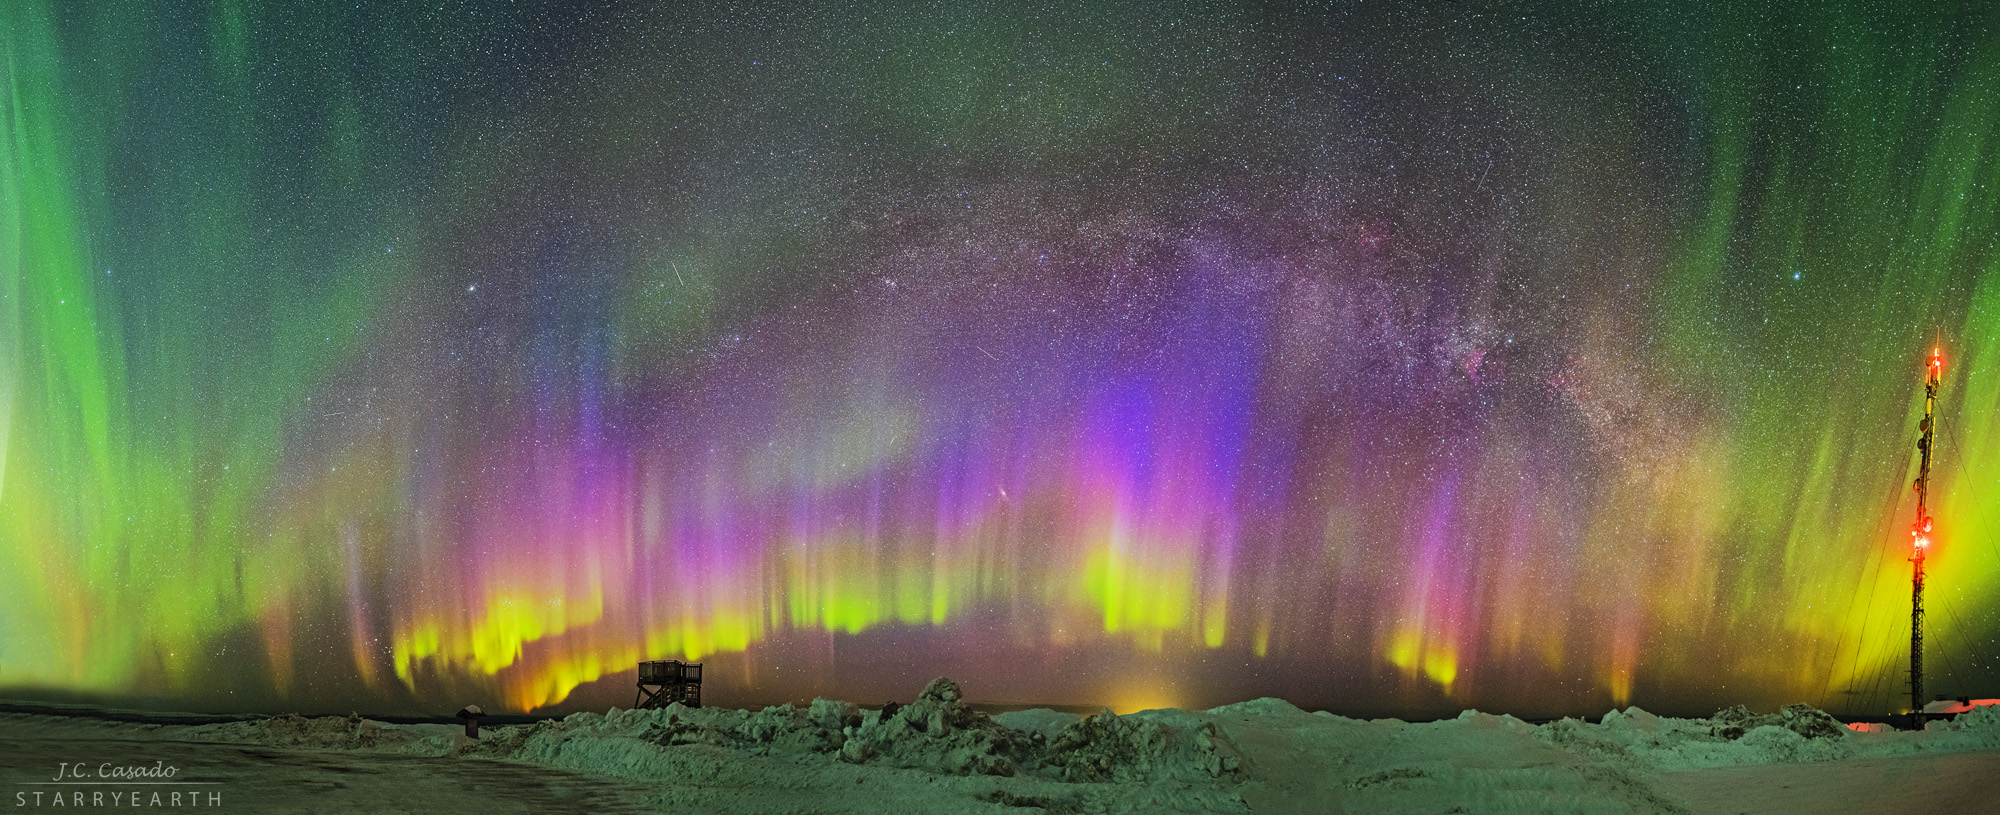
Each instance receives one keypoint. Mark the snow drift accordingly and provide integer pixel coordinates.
(937, 754)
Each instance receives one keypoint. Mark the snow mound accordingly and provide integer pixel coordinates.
(1160, 760)
(1979, 728)
(939, 733)
(1040, 721)
(1266, 706)
(1153, 745)
(1805, 720)
(321, 732)
(1734, 737)
(775, 730)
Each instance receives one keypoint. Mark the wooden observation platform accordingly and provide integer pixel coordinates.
(664, 683)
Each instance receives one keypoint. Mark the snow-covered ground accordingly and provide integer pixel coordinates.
(938, 755)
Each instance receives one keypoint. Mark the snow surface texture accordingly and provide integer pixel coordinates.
(938, 755)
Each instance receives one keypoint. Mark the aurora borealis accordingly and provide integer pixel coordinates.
(1494, 354)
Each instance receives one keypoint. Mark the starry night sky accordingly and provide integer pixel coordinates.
(1507, 355)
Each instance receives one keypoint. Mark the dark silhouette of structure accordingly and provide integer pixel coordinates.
(664, 683)
(471, 714)
(1920, 534)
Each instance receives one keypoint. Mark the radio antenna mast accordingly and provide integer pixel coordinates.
(1920, 533)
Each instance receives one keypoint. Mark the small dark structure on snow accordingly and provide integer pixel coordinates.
(664, 683)
(471, 714)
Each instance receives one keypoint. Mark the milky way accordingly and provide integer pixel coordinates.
(1127, 354)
